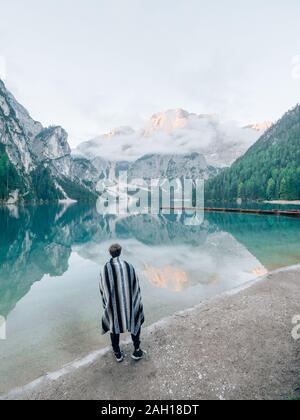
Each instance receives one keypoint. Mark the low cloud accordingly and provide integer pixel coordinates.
(188, 133)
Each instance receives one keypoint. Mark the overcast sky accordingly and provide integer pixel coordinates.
(92, 65)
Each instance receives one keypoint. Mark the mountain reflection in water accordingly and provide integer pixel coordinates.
(36, 241)
(50, 259)
(170, 278)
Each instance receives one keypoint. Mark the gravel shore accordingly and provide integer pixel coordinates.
(236, 346)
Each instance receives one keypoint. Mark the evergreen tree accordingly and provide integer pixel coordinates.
(271, 188)
(9, 179)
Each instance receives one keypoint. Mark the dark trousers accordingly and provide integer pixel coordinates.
(115, 341)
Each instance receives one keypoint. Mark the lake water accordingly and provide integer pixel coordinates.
(50, 258)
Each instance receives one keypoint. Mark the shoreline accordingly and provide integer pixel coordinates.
(63, 384)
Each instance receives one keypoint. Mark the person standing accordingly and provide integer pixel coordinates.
(122, 303)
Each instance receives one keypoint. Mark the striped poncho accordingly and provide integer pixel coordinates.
(121, 298)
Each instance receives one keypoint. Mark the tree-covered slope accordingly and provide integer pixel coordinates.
(9, 178)
(269, 170)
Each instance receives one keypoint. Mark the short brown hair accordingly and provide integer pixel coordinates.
(115, 250)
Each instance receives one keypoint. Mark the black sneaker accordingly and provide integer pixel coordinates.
(120, 356)
(138, 354)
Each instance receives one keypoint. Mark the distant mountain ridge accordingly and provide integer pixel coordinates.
(192, 165)
(180, 132)
(269, 170)
(36, 163)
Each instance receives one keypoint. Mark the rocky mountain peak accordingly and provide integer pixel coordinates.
(40, 162)
(260, 127)
(30, 126)
(14, 132)
(51, 143)
(168, 121)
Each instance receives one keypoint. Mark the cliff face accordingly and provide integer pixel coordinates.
(36, 162)
(155, 166)
(15, 131)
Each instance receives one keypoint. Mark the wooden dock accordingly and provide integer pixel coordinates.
(274, 212)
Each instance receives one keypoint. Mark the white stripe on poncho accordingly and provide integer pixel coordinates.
(121, 298)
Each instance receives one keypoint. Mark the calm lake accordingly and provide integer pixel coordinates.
(50, 259)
